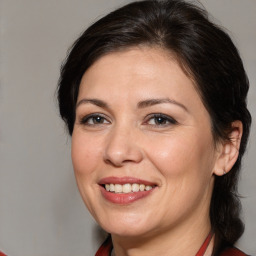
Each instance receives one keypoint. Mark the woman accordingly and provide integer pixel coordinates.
(154, 97)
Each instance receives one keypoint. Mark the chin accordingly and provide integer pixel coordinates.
(131, 232)
(126, 225)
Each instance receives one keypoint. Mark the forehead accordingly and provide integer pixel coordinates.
(135, 68)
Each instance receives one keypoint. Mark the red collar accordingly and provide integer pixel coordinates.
(106, 248)
(205, 245)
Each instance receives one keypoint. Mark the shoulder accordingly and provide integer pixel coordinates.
(232, 251)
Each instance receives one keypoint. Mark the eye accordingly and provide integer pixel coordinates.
(94, 119)
(160, 120)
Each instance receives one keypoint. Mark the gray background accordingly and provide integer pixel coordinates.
(41, 212)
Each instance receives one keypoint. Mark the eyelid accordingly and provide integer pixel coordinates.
(85, 119)
(170, 119)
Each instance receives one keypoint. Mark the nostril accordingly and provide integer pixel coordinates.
(114, 163)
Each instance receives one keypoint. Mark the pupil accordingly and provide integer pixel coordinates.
(160, 120)
(98, 119)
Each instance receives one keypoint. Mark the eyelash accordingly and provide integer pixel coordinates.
(167, 120)
(85, 120)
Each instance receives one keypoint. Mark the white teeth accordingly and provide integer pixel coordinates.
(142, 187)
(135, 187)
(127, 188)
(118, 188)
(148, 188)
(112, 187)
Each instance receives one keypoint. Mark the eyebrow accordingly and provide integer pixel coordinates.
(96, 102)
(152, 102)
(141, 104)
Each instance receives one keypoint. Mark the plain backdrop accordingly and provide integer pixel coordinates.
(41, 213)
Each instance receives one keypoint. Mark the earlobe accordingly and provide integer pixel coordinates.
(229, 150)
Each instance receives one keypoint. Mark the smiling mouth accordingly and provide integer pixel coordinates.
(127, 188)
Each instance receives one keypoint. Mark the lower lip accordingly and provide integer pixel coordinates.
(124, 198)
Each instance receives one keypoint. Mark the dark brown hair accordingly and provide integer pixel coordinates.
(204, 51)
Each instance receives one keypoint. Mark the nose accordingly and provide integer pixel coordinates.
(122, 147)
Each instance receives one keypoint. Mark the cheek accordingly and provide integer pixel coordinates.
(180, 155)
(85, 157)
(185, 164)
(85, 152)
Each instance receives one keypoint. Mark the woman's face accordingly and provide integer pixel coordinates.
(142, 132)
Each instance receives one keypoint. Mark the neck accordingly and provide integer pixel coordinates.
(184, 241)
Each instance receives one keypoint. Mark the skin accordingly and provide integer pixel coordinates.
(179, 157)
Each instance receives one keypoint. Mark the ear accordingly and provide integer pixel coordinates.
(228, 150)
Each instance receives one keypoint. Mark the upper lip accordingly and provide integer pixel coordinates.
(125, 180)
